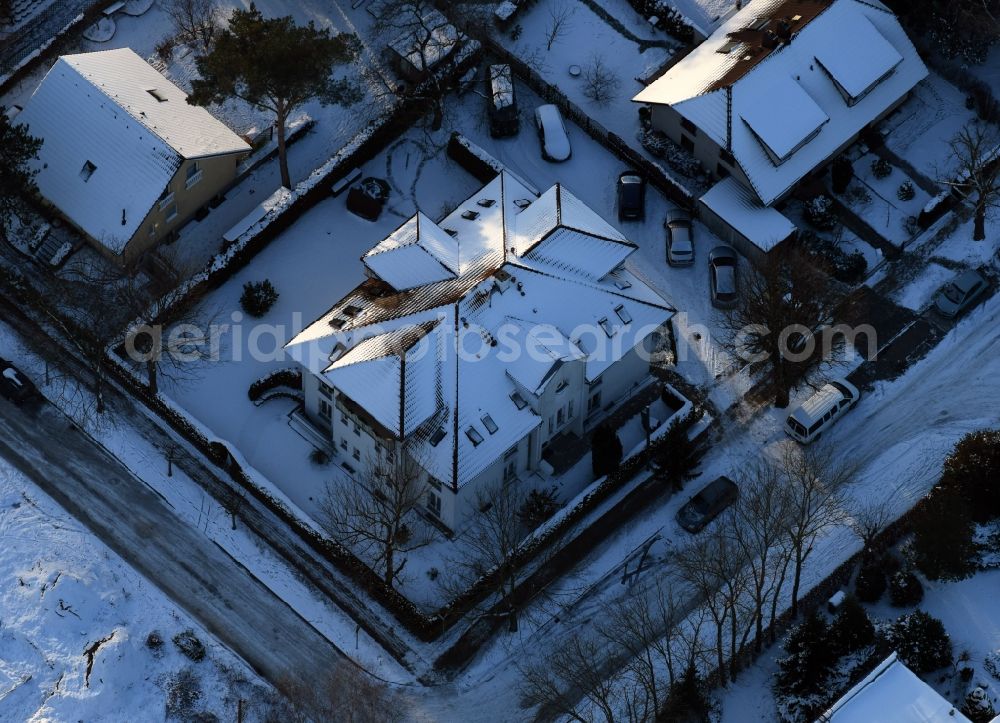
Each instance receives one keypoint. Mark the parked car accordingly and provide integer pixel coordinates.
(807, 421)
(502, 110)
(959, 294)
(722, 266)
(631, 196)
(14, 385)
(708, 504)
(552, 133)
(680, 237)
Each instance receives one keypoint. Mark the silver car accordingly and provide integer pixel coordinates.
(552, 133)
(722, 276)
(680, 238)
(959, 294)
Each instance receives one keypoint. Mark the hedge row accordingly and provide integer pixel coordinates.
(290, 377)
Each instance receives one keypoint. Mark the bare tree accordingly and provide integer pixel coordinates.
(600, 83)
(489, 546)
(430, 36)
(571, 679)
(782, 297)
(374, 513)
(868, 521)
(349, 695)
(813, 486)
(558, 24)
(194, 21)
(976, 153)
(760, 520)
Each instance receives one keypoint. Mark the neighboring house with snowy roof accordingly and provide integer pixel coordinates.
(426, 41)
(125, 158)
(784, 86)
(892, 693)
(477, 341)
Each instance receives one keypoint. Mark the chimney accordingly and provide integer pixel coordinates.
(770, 40)
(784, 29)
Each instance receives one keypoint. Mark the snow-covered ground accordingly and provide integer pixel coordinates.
(917, 293)
(876, 200)
(63, 591)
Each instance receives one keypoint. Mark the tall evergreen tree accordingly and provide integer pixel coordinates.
(606, 450)
(810, 658)
(17, 149)
(275, 65)
(973, 471)
(942, 536)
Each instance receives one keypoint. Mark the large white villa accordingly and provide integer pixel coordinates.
(474, 342)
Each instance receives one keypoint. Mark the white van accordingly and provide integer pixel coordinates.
(808, 420)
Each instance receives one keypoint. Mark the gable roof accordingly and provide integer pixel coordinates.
(432, 363)
(784, 105)
(115, 133)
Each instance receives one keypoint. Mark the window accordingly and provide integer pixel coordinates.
(562, 385)
(433, 503)
(518, 400)
(561, 417)
(356, 454)
(569, 409)
(343, 419)
(687, 144)
(689, 127)
(343, 444)
(623, 314)
(594, 402)
(171, 212)
(87, 171)
(490, 425)
(160, 98)
(166, 199)
(509, 470)
(474, 436)
(357, 430)
(437, 436)
(606, 325)
(552, 424)
(193, 174)
(325, 410)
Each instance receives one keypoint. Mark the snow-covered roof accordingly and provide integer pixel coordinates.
(892, 693)
(783, 94)
(418, 253)
(429, 38)
(438, 364)
(115, 132)
(764, 226)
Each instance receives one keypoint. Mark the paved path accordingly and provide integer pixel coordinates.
(135, 522)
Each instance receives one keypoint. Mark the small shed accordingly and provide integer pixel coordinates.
(739, 218)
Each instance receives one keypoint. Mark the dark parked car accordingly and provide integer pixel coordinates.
(502, 110)
(14, 385)
(722, 265)
(680, 238)
(707, 504)
(631, 196)
(958, 295)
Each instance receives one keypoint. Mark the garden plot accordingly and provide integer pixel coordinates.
(65, 592)
(589, 59)
(890, 204)
(960, 247)
(920, 131)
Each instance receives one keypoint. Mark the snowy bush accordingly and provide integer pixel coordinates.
(906, 192)
(660, 146)
(992, 664)
(870, 583)
(844, 266)
(187, 642)
(857, 195)
(319, 457)
(921, 642)
(538, 506)
(852, 629)
(258, 297)
(600, 84)
(881, 168)
(905, 589)
(819, 213)
(154, 641)
(183, 694)
(978, 707)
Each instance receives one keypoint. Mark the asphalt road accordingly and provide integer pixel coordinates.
(139, 526)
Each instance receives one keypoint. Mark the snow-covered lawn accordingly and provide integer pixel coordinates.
(960, 247)
(63, 591)
(585, 39)
(923, 126)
